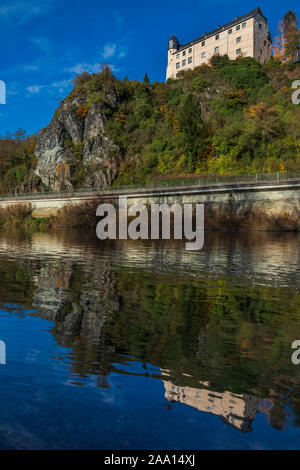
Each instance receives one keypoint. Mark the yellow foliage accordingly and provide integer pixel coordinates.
(120, 118)
(260, 112)
(170, 118)
(82, 111)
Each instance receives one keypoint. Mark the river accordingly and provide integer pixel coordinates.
(144, 345)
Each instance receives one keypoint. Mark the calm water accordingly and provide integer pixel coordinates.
(132, 345)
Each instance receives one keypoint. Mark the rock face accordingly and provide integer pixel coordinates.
(74, 141)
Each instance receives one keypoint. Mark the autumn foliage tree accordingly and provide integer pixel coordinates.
(17, 159)
(286, 47)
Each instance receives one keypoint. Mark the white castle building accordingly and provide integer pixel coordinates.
(246, 36)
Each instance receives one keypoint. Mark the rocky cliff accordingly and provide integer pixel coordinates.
(74, 150)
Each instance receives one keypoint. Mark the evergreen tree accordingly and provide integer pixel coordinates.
(146, 78)
(193, 128)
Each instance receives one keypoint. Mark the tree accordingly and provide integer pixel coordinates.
(146, 78)
(286, 48)
(219, 60)
(193, 128)
(81, 79)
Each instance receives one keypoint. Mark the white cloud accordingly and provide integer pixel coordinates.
(90, 68)
(21, 11)
(34, 89)
(61, 84)
(109, 50)
(114, 68)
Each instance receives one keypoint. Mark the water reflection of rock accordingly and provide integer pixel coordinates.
(236, 410)
(80, 299)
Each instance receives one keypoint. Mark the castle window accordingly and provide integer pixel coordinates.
(184, 53)
(190, 50)
(203, 43)
(244, 25)
(238, 27)
(177, 56)
(238, 52)
(202, 63)
(203, 55)
(178, 65)
(217, 36)
(216, 49)
(230, 31)
(265, 43)
(190, 60)
(261, 52)
(184, 63)
(260, 26)
(238, 39)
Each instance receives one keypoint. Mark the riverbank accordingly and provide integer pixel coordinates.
(225, 215)
(20, 215)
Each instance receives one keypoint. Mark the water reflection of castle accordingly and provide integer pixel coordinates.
(236, 410)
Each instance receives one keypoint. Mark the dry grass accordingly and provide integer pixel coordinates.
(77, 215)
(252, 219)
(216, 217)
(14, 214)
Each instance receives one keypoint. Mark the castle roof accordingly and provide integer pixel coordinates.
(237, 20)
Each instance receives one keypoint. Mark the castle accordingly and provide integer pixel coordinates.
(246, 36)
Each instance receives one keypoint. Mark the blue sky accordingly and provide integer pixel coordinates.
(45, 43)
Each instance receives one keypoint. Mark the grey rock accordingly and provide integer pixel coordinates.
(55, 145)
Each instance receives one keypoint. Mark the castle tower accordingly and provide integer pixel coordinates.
(173, 43)
(173, 47)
